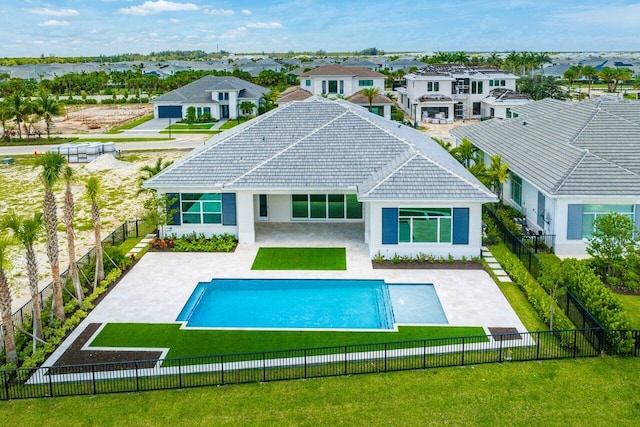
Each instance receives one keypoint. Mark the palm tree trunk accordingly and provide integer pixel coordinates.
(71, 243)
(5, 309)
(32, 272)
(51, 225)
(95, 215)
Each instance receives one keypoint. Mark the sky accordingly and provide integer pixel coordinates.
(31, 28)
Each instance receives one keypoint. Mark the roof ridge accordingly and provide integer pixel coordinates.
(286, 148)
(573, 169)
(390, 174)
(589, 153)
(577, 135)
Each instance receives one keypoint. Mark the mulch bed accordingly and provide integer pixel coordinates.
(505, 334)
(456, 265)
(74, 355)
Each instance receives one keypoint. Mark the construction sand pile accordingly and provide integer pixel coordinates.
(107, 162)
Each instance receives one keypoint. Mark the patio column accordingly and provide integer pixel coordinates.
(244, 213)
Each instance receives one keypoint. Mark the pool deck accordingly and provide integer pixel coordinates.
(159, 285)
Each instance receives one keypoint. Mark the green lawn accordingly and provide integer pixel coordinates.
(631, 304)
(583, 392)
(131, 124)
(187, 343)
(186, 126)
(231, 123)
(300, 259)
(196, 131)
(119, 140)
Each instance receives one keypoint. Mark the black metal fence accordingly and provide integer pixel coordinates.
(136, 376)
(131, 228)
(540, 243)
(515, 244)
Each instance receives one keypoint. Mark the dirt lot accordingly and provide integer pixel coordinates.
(98, 118)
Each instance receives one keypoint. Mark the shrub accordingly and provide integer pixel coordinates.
(378, 258)
(199, 243)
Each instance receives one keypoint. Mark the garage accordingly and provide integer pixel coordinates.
(170, 112)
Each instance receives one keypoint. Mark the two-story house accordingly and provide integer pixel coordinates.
(212, 96)
(445, 92)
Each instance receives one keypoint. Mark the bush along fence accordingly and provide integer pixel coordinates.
(130, 228)
(157, 374)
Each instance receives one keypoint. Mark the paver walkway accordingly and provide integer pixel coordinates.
(493, 264)
(142, 245)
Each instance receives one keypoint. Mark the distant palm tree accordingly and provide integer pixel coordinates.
(610, 76)
(68, 210)
(11, 354)
(93, 191)
(52, 167)
(27, 231)
(590, 73)
(147, 172)
(465, 152)
(370, 93)
(21, 108)
(47, 107)
(497, 174)
(572, 74)
(246, 107)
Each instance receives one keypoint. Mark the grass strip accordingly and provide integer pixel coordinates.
(631, 304)
(300, 259)
(192, 343)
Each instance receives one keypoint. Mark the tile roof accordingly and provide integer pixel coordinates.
(339, 70)
(200, 90)
(591, 148)
(293, 93)
(322, 144)
(361, 99)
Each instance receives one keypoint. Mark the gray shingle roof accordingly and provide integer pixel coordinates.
(200, 90)
(589, 148)
(322, 144)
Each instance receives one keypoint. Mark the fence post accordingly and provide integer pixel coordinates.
(305, 363)
(424, 354)
(462, 351)
(575, 343)
(137, 379)
(345, 361)
(538, 346)
(5, 374)
(180, 372)
(264, 368)
(221, 370)
(50, 384)
(500, 355)
(385, 357)
(137, 231)
(93, 378)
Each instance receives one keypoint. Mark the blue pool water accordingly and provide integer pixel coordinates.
(298, 304)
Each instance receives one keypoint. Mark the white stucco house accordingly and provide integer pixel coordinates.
(569, 163)
(335, 80)
(451, 92)
(332, 162)
(501, 102)
(217, 97)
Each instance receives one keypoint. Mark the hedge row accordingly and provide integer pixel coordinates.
(537, 296)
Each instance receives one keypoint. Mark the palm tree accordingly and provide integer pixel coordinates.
(93, 194)
(497, 174)
(571, 74)
(589, 72)
(246, 107)
(370, 93)
(20, 107)
(47, 107)
(68, 209)
(148, 172)
(27, 231)
(465, 152)
(52, 168)
(5, 303)
(610, 76)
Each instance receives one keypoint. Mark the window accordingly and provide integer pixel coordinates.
(476, 87)
(264, 212)
(325, 206)
(324, 86)
(341, 86)
(425, 225)
(333, 86)
(307, 82)
(476, 108)
(223, 96)
(516, 189)
(365, 83)
(591, 212)
(433, 86)
(201, 208)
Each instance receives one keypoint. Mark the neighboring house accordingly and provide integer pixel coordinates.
(329, 161)
(500, 103)
(218, 97)
(293, 93)
(569, 163)
(405, 64)
(451, 91)
(335, 80)
(361, 62)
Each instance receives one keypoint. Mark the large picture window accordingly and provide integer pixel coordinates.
(362, 83)
(325, 206)
(425, 225)
(201, 208)
(592, 212)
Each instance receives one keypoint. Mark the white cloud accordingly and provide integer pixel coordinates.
(175, 20)
(54, 23)
(223, 12)
(246, 11)
(52, 12)
(267, 25)
(152, 7)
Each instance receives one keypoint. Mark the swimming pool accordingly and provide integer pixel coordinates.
(303, 304)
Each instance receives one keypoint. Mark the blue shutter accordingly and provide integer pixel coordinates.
(389, 226)
(173, 204)
(541, 208)
(636, 214)
(228, 209)
(574, 222)
(460, 226)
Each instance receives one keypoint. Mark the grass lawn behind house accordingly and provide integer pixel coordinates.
(300, 259)
(631, 303)
(187, 343)
(583, 392)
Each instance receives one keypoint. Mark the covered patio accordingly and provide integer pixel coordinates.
(310, 233)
